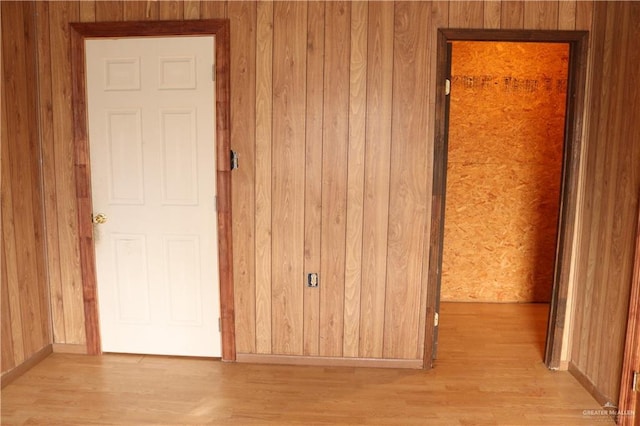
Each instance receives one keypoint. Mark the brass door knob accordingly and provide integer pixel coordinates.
(99, 219)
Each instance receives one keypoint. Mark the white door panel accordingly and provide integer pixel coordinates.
(151, 113)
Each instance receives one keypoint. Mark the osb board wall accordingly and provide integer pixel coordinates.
(331, 114)
(612, 188)
(24, 293)
(506, 134)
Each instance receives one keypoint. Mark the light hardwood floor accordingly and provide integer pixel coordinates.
(489, 372)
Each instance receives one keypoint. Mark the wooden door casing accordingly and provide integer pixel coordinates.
(219, 29)
(569, 190)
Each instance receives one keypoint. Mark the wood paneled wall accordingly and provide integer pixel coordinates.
(25, 305)
(340, 168)
(612, 185)
(320, 200)
(505, 146)
(332, 118)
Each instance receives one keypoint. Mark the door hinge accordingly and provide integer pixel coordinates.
(219, 325)
(635, 386)
(447, 87)
(213, 72)
(215, 202)
(234, 160)
(436, 319)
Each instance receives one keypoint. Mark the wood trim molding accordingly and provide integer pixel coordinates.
(587, 384)
(565, 253)
(220, 29)
(628, 401)
(578, 41)
(69, 348)
(321, 361)
(436, 243)
(11, 375)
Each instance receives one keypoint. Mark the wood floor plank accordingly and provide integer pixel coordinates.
(489, 372)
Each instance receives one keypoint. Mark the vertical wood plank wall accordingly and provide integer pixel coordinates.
(25, 304)
(332, 109)
(319, 166)
(612, 183)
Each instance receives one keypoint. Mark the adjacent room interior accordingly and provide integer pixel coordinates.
(504, 173)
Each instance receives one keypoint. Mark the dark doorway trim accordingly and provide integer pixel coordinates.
(218, 28)
(578, 42)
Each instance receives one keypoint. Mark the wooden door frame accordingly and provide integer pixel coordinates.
(219, 28)
(628, 401)
(565, 253)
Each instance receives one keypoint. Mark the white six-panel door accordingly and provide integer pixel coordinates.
(151, 113)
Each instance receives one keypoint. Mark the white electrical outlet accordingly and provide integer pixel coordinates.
(312, 280)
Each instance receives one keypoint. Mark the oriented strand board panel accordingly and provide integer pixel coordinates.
(506, 133)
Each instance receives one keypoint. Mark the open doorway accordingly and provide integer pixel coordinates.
(505, 173)
(504, 169)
